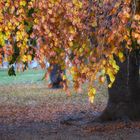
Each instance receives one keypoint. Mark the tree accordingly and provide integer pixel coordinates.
(56, 77)
(100, 36)
(124, 95)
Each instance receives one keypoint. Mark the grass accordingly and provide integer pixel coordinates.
(28, 76)
(26, 86)
(25, 98)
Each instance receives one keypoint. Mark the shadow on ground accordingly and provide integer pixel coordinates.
(75, 127)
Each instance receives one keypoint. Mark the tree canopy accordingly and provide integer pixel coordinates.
(89, 34)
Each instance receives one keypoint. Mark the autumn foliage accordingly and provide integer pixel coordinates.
(89, 34)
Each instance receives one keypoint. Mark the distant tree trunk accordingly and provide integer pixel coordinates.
(56, 76)
(124, 96)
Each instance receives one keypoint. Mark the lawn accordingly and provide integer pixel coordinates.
(28, 76)
(28, 91)
(26, 101)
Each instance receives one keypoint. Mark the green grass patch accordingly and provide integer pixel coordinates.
(28, 76)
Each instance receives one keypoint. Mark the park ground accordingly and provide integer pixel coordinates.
(31, 111)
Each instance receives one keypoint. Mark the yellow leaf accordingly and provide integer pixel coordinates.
(81, 50)
(24, 58)
(91, 99)
(110, 85)
(50, 34)
(94, 24)
(113, 63)
(50, 12)
(64, 77)
(121, 56)
(22, 3)
(71, 43)
(36, 21)
(71, 29)
(29, 57)
(91, 94)
(111, 75)
(5, 59)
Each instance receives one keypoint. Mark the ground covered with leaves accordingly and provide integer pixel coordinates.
(31, 111)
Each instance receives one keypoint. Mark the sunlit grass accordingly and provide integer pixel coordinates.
(27, 89)
(28, 76)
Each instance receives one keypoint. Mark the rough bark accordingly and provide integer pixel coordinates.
(124, 96)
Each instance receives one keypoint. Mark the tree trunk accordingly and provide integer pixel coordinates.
(56, 76)
(124, 95)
